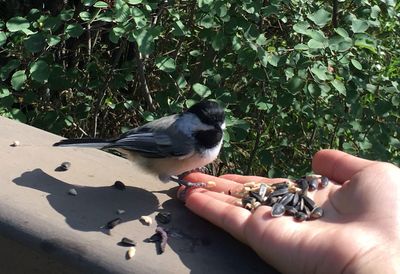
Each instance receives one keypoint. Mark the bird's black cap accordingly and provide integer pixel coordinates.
(209, 112)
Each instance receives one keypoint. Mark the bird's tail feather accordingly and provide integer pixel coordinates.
(95, 143)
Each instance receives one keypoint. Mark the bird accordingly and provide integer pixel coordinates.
(170, 146)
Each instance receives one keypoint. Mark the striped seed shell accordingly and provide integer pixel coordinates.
(263, 190)
(317, 212)
(290, 210)
(280, 185)
(308, 202)
(300, 216)
(302, 184)
(280, 192)
(324, 182)
(313, 184)
(277, 210)
(286, 199)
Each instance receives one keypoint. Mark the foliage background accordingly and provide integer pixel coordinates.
(295, 76)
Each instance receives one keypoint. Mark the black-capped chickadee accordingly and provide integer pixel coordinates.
(171, 145)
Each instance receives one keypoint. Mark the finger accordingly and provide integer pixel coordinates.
(227, 216)
(222, 185)
(337, 165)
(257, 179)
(216, 195)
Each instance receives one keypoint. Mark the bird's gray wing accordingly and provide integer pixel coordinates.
(157, 139)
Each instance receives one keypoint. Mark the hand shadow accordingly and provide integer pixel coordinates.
(93, 207)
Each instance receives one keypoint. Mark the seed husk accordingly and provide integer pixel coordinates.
(277, 210)
(127, 242)
(130, 253)
(164, 217)
(317, 212)
(113, 223)
(73, 192)
(324, 182)
(119, 185)
(300, 216)
(271, 201)
(256, 196)
(146, 220)
(15, 143)
(263, 190)
(120, 211)
(280, 185)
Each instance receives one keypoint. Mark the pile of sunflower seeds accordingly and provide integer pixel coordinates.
(288, 197)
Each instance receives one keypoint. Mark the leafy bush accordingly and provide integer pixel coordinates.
(295, 76)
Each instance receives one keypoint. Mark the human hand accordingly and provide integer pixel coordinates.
(359, 232)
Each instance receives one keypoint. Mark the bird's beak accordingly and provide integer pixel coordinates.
(223, 126)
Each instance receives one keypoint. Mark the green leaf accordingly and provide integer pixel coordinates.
(320, 72)
(100, 5)
(342, 32)
(6, 69)
(88, 3)
(17, 23)
(359, 26)
(356, 64)
(74, 30)
(39, 71)
(4, 92)
(134, 2)
(339, 86)
(166, 64)
(18, 79)
(295, 84)
(53, 40)
(145, 39)
(3, 38)
(301, 27)
(320, 17)
(314, 44)
(35, 42)
(67, 15)
(219, 41)
(202, 90)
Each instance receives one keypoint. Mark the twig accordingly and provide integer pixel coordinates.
(160, 10)
(142, 78)
(334, 13)
(260, 130)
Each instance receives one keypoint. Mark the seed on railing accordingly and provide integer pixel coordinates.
(72, 192)
(113, 223)
(119, 185)
(127, 242)
(146, 220)
(130, 253)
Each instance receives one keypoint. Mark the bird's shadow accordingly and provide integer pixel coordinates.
(92, 207)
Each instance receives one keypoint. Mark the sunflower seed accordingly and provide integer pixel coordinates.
(72, 192)
(127, 242)
(287, 198)
(15, 143)
(317, 212)
(271, 201)
(280, 191)
(310, 204)
(295, 199)
(255, 195)
(280, 185)
(119, 185)
(64, 166)
(324, 182)
(290, 210)
(313, 184)
(300, 216)
(277, 210)
(146, 220)
(263, 190)
(113, 223)
(120, 211)
(130, 253)
(302, 184)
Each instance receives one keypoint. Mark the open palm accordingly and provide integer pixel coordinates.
(358, 232)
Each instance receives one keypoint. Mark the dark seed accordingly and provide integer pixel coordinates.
(324, 182)
(257, 196)
(111, 224)
(317, 212)
(280, 191)
(280, 185)
(119, 185)
(313, 184)
(295, 200)
(164, 217)
(303, 184)
(64, 166)
(271, 201)
(154, 238)
(300, 216)
(310, 204)
(290, 210)
(277, 210)
(127, 242)
(248, 200)
(287, 198)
